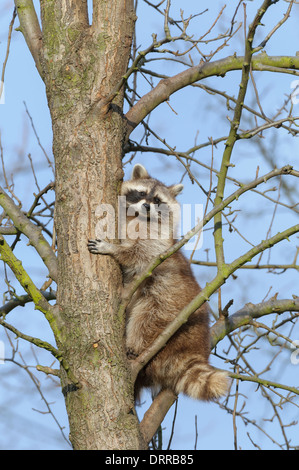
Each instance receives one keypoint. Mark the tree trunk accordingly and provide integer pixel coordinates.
(82, 65)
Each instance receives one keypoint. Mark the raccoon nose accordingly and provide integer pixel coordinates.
(146, 206)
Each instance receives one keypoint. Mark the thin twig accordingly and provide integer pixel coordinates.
(10, 29)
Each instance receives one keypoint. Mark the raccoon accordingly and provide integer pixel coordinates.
(183, 364)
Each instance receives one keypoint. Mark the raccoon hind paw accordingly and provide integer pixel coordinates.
(131, 354)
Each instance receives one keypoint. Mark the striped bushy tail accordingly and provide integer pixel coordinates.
(201, 381)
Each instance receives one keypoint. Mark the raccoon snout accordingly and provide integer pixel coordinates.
(147, 206)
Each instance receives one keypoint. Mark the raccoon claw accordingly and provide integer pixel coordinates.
(131, 355)
(100, 247)
(92, 246)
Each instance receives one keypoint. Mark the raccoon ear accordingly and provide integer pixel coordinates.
(139, 172)
(176, 189)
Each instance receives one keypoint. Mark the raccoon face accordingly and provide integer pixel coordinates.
(149, 197)
(146, 202)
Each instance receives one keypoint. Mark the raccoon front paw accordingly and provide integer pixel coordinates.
(99, 247)
(131, 354)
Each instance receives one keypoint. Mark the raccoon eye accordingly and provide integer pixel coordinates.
(157, 200)
(142, 193)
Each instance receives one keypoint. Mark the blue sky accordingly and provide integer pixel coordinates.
(193, 116)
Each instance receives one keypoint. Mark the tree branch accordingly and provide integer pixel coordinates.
(48, 347)
(41, 304)
(168, 86)
(283, 267)
(243, 317)
(31, 339)
(33, 233)
(21, 300)
(7, 255)
(233, 133)
(264, 382)
(10, 29)
(156, 413)
(29, 26)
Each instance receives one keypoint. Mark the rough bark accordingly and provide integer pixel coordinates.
(81, 64)
(84, 68)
